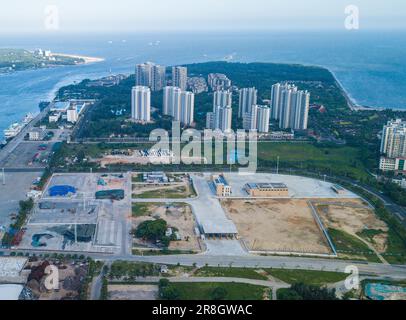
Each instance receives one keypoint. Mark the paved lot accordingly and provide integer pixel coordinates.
(16, 187)
(84, 183)
(224, 247)
(23, 156)
(208, 210)
(62, 212)
(299, 187)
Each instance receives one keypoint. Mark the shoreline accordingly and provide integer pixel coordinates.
(87, 59)
(352, 104)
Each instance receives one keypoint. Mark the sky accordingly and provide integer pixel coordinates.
(27, 16)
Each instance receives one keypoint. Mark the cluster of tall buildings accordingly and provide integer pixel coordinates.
(150, 75)
(179, 104)
(290, 106)
(221, 116)
(255, 117)
(393, 146)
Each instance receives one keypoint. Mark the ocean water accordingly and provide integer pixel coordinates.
(370, 65)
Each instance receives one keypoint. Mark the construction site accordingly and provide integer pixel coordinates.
(180, 220)
(78, 212)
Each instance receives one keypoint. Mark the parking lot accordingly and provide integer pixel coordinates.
(28, 154)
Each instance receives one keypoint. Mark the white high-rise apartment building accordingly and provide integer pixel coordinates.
(141, 104)
(247, 99)
(257, 119)
(179, 104)
(220, 119)
(179, 77)
(158, 77)
(150, 75)
(171, 101)
(393, 143)
(187, 105)
(290, 106)
(222, 98)
(143, 74)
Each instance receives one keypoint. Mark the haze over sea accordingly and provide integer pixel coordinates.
(371, 65)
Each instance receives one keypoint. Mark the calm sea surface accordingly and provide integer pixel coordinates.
(370, 65)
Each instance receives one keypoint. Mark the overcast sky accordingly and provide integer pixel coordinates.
(187, 15)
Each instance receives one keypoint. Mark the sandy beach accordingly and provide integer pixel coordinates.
(86, 58)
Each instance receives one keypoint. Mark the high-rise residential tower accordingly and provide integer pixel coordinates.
(141, 104)
(143, 74)
(158, 77)
(150, 75)
(257, 119)
(290, 106)
(220, 119)
(222, 98)
(247, 99)
(393, 143)
(179, 104)
(179, 77)
(187, 105)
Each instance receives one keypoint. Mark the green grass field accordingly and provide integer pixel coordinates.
(179, 192)
(351, 246)
(203, 290)
(309, 277)
(344, 161)
(140, 209)
(245, 273)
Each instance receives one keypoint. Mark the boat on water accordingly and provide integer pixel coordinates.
(16, 127)
(13, 130)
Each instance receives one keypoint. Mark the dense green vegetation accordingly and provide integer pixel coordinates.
(153, 230)
(209, 291)
(300, 291)
(15, 227)
(20, 59)
(308, 277)
(140, 209)
(124, 270)
(245, 273)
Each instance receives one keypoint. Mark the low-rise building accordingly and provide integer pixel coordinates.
(54, 117)
(155, 177)
(271, 189)
(36, 134)
(223, 189)
(392, 164)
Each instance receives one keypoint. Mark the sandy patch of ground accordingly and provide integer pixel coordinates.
(283, 225)
(353, 216)
(177, 215)
(110, 182)
(157, 191)
(132, 292)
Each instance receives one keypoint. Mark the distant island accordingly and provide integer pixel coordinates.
(20, 59)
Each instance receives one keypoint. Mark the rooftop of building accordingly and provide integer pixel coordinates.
(267, 185)
(221, 180)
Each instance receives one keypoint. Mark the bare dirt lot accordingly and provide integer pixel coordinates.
(177, 215)
(177, 190)
(354, 217)
(282, 225)
(132, 292)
